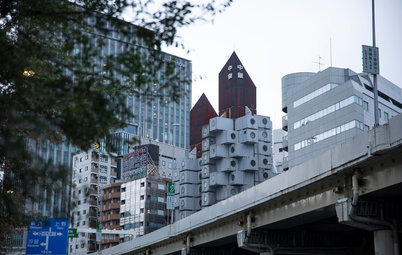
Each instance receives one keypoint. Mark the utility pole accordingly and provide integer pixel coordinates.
(375, 91)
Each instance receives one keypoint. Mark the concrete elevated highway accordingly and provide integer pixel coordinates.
(305, 210)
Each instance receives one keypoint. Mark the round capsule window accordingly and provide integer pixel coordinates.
(205, 198)
(213, 178)
(252, 162)
(252, 135)
(232, 150)
(182, 190)
(265, 161)
(252, 121)
(233, 135)
(264, 134)
(264, 121)
(232, 176)
(265, 175)
(183, 176)
(205, 170)
(233, 163)
(182, 163)
(264, 148)
(233, 191)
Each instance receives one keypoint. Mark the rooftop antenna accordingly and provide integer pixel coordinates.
(330, 52)
(319, 63)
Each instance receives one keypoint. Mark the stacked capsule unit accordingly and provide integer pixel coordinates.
(187, 179)
(236, 155)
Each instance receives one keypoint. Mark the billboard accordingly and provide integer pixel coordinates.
(135, 163)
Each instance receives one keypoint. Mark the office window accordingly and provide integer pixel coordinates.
(365, 106)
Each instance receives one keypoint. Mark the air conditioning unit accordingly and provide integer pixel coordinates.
(190, 177)
(206, 158)
(176, 188)
(239, 150)
(246, 122)
(205, 187)
(207, 142)
(248, 164)
(206, 170)
(218, 151)
(226, 192)
(248, 136)
(207, 199)
(264, 122)
(190, 203)
(218, 179)
(264, 135)
(265, 162)
(227, 137)
(205, 131)
(266, 174)
(190, 190)
(226, 165)
(264, 149)
(188, 164)
(236, 178)
(175, 174)
(219, 124)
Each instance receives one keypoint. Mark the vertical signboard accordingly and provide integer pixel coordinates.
(47, 237)
(370, 60)
(170, 196)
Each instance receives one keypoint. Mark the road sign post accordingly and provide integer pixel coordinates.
(47, 237)
(170, 198)
(72, 233)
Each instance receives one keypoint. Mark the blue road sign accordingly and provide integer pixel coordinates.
(49, 237)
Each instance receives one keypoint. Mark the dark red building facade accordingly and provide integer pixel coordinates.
(236, 89)
(200, 114)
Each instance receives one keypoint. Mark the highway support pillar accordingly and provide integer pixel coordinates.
(383, 242)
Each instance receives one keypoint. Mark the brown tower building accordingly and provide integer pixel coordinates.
(200, 114)
(236, 89)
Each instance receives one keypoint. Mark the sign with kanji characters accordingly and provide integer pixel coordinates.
(47, 237)
(370, 60)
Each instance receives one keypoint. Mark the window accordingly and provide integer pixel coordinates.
(83, 222)
(80, 159)
(170, 165)
(104, 158)
(79, 202)
(141, 210)
(142, 197)
(79, 191)
(366, 127)
(84, 212)
(163, 163)
(85, 179)
(379, 113)
(142, 184)
(103, 169)
(314, 94)
(365, 106)
(86, 168)
(386, 116)
(103, 179)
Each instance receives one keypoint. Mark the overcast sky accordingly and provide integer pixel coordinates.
(273, 38)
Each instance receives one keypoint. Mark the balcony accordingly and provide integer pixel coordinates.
(113, 162)
(95, 169)
(93, 180)
(285, 143)
(111, 217)
(285, 122)
(93, 203)
(111, 195)
(114, 174)
(111, 206)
